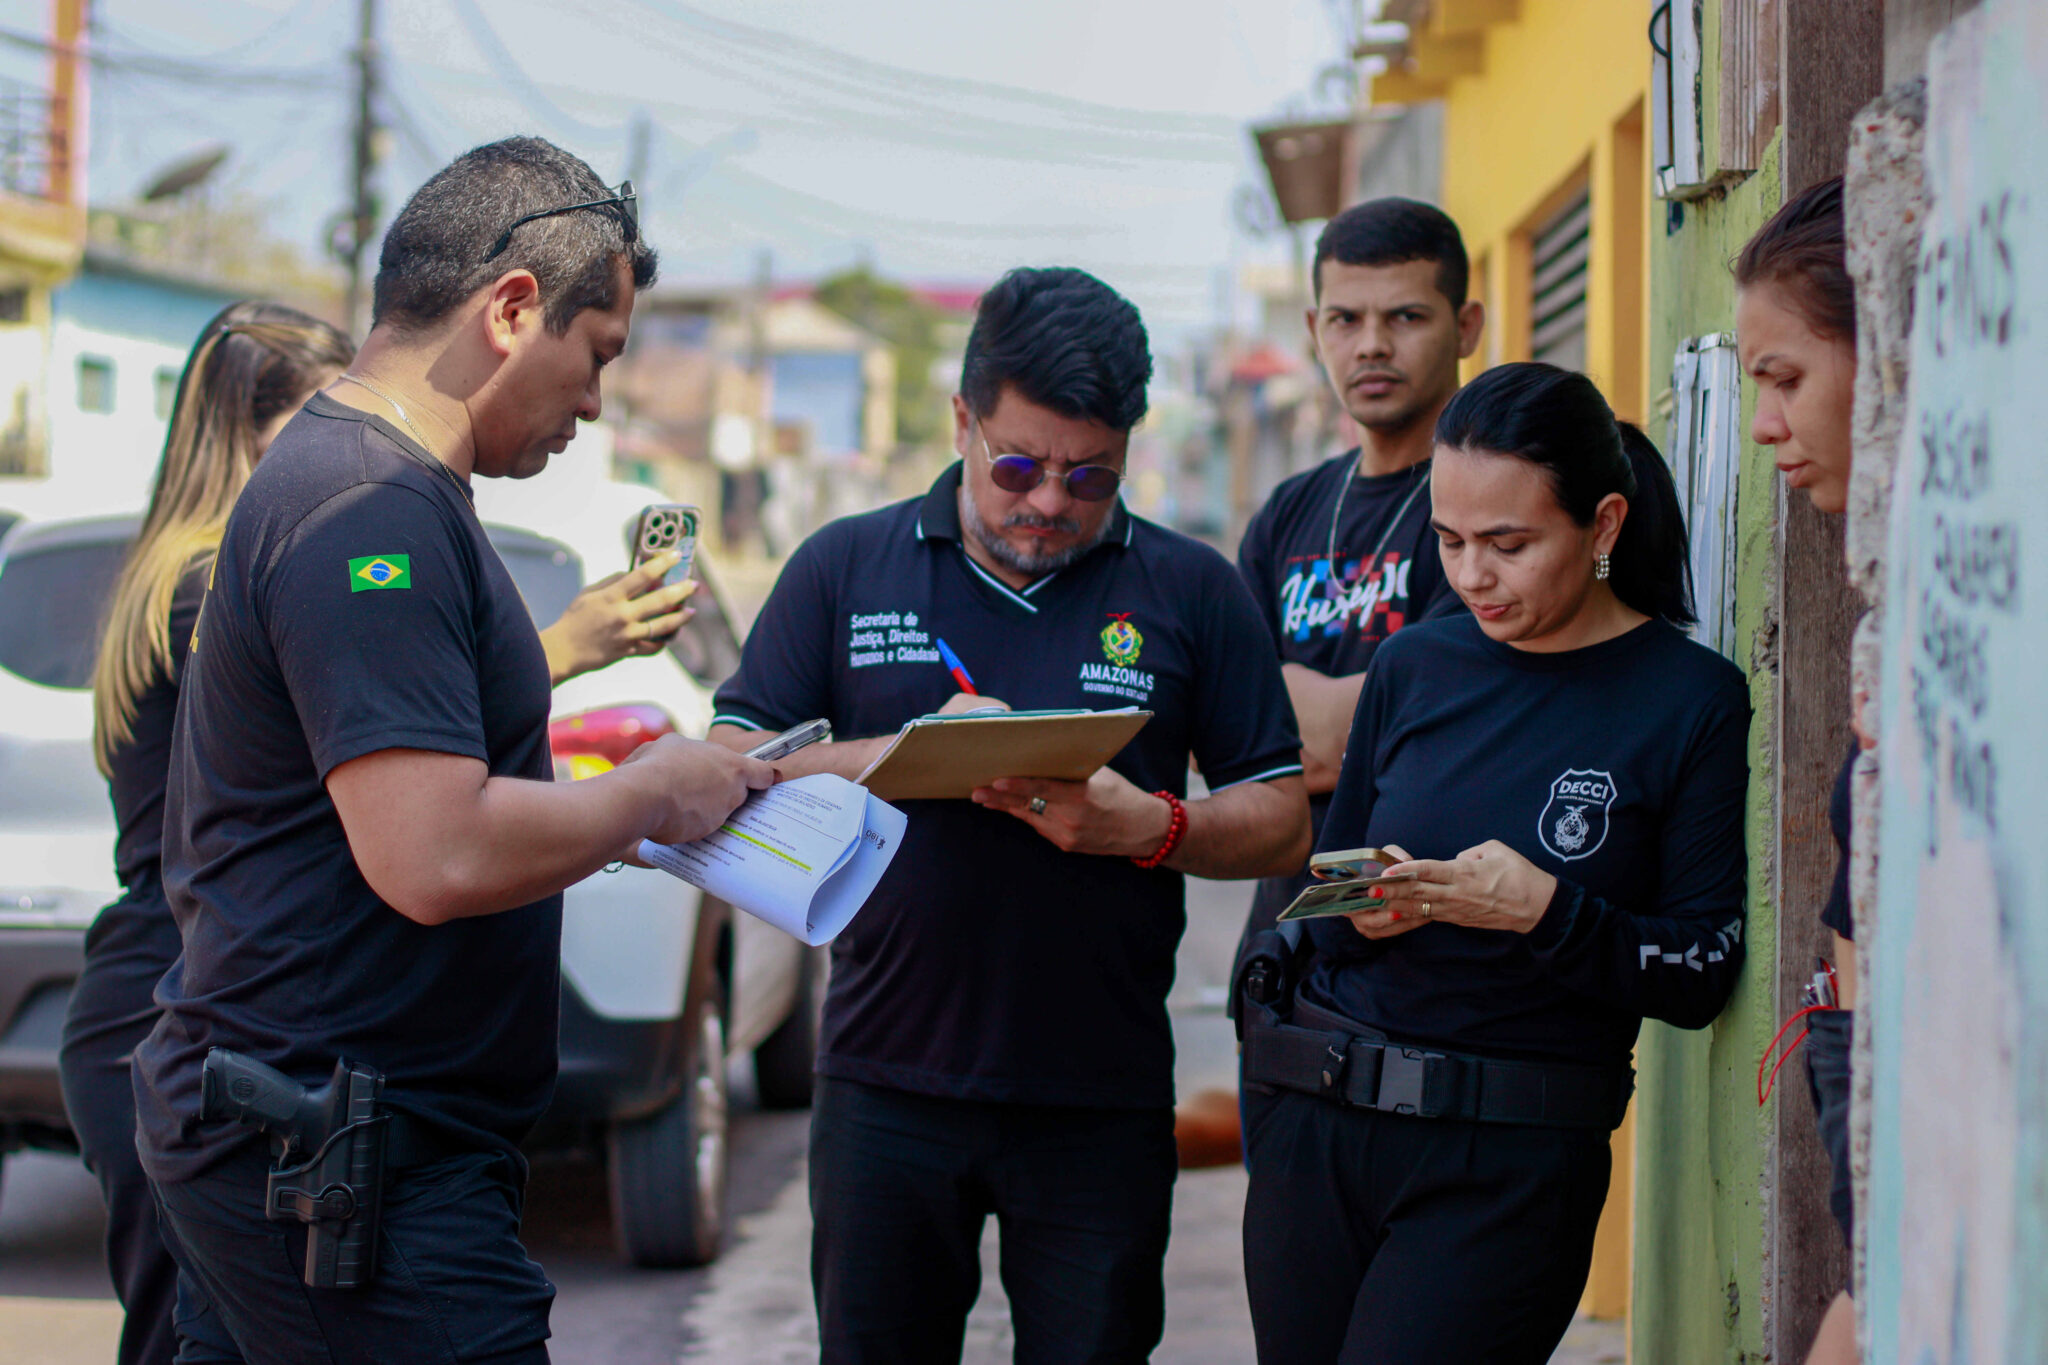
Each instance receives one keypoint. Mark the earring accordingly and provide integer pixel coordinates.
(1600, 567)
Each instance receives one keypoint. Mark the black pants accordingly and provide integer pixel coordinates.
(127, 950)
(1373, 1237)
(901, 1185)
(1827, 1079)
(453, 1282)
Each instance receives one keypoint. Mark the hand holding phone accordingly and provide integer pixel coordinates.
(666, 526)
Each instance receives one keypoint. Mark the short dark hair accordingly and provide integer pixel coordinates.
(1392, 231)
(1804, 250)
(1065, 341)
(1556, 419)
(434, 254)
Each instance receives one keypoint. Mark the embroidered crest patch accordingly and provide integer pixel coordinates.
(1121, 640)
(1574, 821)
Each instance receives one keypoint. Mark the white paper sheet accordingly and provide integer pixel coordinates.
(804, 855)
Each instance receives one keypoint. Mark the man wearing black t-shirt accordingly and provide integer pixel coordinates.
(362, 846)
(995, 1039)
(1342, 556)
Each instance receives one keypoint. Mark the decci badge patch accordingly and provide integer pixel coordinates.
(379, 571)
(1574, 821)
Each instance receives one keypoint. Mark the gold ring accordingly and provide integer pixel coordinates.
(1037, 804)
(1426, 911)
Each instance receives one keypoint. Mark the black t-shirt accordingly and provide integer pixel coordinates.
(989, 965)
(357, 606)
(1330, 609)
(136, 780)
(1835, 914)
(1620, 769)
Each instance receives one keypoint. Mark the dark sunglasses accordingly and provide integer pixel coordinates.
(1022, 473)
(629, 217)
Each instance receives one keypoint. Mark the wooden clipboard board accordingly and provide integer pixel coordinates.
(947, 757)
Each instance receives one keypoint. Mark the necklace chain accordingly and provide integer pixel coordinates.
(396, 407)
(1393, 523)
(399, 408)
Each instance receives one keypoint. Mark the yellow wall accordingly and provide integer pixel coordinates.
(1541, 99)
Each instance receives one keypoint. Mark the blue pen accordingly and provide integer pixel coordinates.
(956, 668)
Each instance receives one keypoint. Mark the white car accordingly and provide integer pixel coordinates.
(660, 985)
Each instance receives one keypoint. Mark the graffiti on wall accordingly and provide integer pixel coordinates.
(1957, 1211)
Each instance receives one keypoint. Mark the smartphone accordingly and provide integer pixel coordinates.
(663, 527)
(792, 739)
(1341, 898)
(1348, 864)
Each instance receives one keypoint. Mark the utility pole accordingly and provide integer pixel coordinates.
(360, 226)
(639, 144)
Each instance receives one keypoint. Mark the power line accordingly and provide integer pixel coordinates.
(159, 67)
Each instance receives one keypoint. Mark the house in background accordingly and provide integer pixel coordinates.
(119, 336)
(42, 224)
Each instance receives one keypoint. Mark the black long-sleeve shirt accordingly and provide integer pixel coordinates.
(1620, 769)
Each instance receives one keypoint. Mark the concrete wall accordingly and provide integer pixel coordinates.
(1702, 1141)
(1703, 1145)
(1956, 1215)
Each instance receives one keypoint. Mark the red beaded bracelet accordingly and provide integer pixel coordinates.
(1176, 828)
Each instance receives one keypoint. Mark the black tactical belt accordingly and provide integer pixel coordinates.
(1323, 1054)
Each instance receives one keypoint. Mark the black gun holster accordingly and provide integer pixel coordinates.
(328, 1149)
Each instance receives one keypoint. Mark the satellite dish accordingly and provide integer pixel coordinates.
(186, 172)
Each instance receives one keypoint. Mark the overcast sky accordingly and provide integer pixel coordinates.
(941, 139)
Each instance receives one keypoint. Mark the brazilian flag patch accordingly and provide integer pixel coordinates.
(379, 571)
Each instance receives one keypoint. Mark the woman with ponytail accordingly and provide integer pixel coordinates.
(1558, 779)
(253, 367)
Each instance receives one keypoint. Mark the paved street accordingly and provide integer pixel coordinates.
(754, 1304)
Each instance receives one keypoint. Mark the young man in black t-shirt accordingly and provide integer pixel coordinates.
(362, 845)
(995, 1038)
(1342, 556)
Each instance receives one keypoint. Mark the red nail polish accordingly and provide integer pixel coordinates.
(1394, 914)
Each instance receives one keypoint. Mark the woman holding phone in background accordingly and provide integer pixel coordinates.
(1564, 772)
(253, 367)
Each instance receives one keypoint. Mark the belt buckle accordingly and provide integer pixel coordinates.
(1403, 1071)
(1336, 1061)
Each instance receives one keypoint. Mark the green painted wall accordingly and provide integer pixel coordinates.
(1701, 1140)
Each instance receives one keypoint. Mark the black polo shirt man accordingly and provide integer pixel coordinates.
(995, 1038)
(363, 848)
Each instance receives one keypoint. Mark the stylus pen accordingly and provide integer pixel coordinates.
(957, 669)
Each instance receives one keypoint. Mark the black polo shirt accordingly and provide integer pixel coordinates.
(989, 965)
(357, 605)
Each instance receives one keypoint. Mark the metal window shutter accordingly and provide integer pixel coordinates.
(1557, 307)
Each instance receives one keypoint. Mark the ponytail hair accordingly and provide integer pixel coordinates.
(1557, 420)
(252, 362)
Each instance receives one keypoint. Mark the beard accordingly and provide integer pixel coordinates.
(1025, 561)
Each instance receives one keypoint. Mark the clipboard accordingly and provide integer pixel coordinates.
(947, 757)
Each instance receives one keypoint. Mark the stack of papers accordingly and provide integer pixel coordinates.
(804, 855)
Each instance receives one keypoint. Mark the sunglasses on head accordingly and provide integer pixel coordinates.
(629, 217)
(1022, 473)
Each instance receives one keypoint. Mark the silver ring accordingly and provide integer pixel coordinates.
(1037, 804)
(1426, 911)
